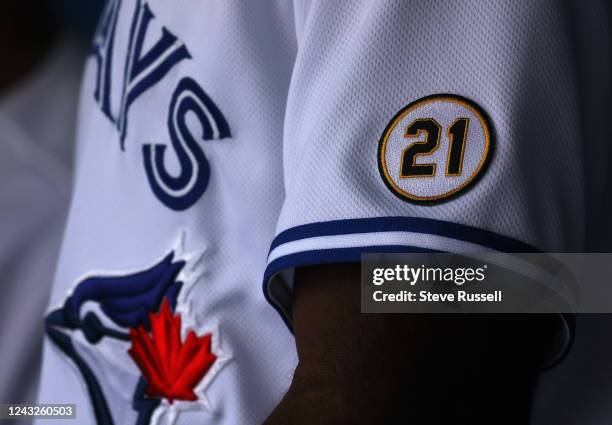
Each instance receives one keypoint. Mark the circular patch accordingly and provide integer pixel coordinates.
(435, 148)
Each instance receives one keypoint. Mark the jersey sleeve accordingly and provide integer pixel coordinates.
(380, 93)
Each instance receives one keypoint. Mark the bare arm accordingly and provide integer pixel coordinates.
(364, 368)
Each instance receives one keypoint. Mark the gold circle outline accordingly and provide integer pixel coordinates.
(410, 108)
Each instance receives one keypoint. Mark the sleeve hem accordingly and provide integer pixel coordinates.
(345, 240)
(342, 241)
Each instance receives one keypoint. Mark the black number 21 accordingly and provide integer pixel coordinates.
(456, 133)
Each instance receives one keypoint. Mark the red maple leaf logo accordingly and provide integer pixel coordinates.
(172, 368)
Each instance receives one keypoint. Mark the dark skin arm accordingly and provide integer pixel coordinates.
(359, 368)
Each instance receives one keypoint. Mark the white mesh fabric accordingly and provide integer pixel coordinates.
(360, 62)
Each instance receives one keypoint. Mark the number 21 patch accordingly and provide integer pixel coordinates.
(435, 148)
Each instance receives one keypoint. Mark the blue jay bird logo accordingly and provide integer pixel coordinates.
(116, 330)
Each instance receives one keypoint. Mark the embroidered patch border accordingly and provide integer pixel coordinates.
(423, 148)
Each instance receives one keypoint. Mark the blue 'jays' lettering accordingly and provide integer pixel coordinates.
(182, 191)
(103, 51)
(144, 69)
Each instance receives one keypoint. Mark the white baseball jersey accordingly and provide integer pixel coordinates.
(223, 143)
